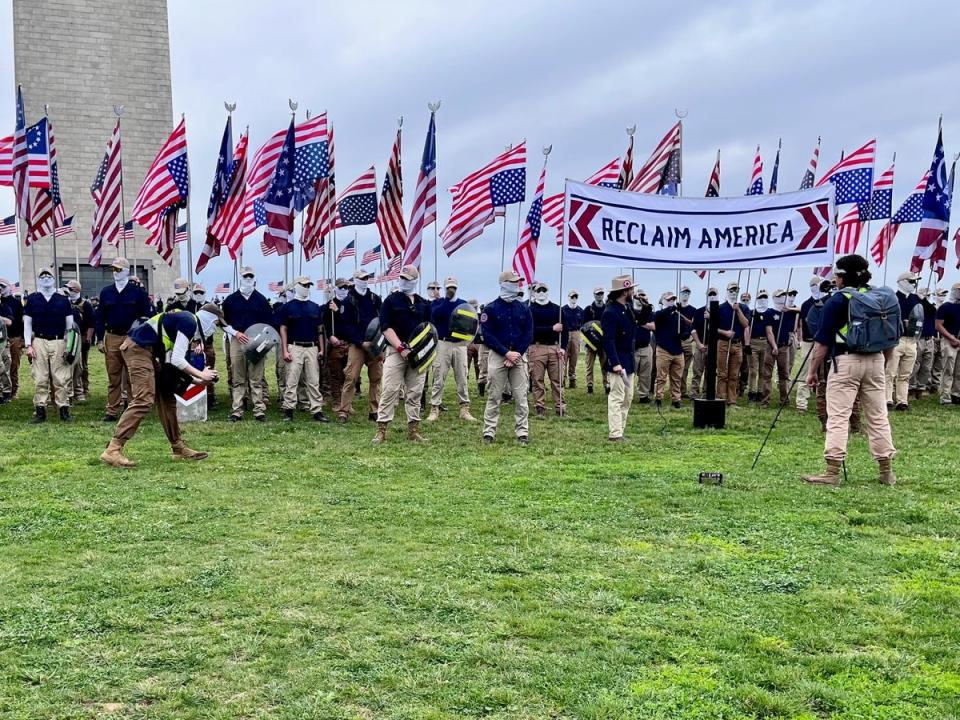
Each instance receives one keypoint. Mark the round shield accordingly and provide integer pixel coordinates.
(464, 322)
(423, 347)
(3, 332)
(73, 344)
(263, 338)
(373, 340)
(592, 335)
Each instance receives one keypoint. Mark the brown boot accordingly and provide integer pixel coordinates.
(830, 477)
(465, 414)
(114, 456)
(182, 452)
(434, 413)
(886, 472)
(413, 431)
(381, 436)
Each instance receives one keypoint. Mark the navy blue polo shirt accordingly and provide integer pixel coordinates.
(665, 330)
(728, 320)
(178, 321)
(118, 310)
(949, 314)
(759, 322)
(619, 336)
(572, 318)
(783, 323)
(804, 312)
(700, 323)
(507, 326)
(929, 319)
(544, 318)
(358, 311)
(440, 312)
(403, 314)
(303, 320)
(240, 312)
(49, 316)
(907, 304)
(15, 307)
(686, 328)
(592, 312)
(641, 317)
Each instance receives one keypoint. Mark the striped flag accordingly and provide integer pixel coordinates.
(713, 184)
(756, 179)
(880, 204)
(852, 176)
(222, 289)
(357, 205)
(226, 229)
(609, 175)
(107, 193)
(393, 232)
(38, 168)
(775, 176)
(525, 256)
(626, 167)
(810, 174)
(424, 210)
(476, 196)
(65, 228)
(128, 233)
(181, 234)
(849, 228)
(372, 255)
(350, 250)
(650, 177)
(278, 201)
(8, 226)
(910, 211)
(393, 270)
(48, 212)
(322, 210)
(165, 189)
(19, 164)
(275, 286)
(932, 238)
(218, 195)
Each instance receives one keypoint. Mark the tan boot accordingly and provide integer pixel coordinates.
(114, 456)
(182, 452)
(434, 413)
(886, 472)
(830, 477)
(413, 432)
(465, 414)
(381, 436)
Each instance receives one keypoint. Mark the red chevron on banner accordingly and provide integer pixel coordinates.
(581, 214)
(817, 218)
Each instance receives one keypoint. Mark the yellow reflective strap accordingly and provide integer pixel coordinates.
(464, 311)
(418, 338)
(461, 336)
(428, 363)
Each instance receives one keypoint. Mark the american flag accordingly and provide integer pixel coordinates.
(932, 238)
(849, 228)
(810, 174)
(106, 190)
(279, 201)
(357, 205)
(775, 175)
(218, 195)
(625, 176)
(222, 289)
(264, 164)
(38, 167)
(372, 255)
(276, 286)
(756, 179)
(393, 270)
(350, 250)
(880, 205)
(956, 246)
(65, 228)
(910, 211)
(525, 256)
(19, 164)
(424, 210)
(609, 175)
(165, 189)
(128, 233)
(393, 232)
(713, 184)
(227, 228)
(474, 197)
(182, 234)
(8, 226)
(853, 175)
(322, 210)
(650, 177)
(47, 212)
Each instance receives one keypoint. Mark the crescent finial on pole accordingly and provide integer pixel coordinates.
(681, 114)
(230, 107)
(400, 121)
(547, 149)
(631, 130)
(293, 105)
(434, 106)
(118, 110)
(308, 113)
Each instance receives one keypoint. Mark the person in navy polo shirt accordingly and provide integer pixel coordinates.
(451, 354)
(47, 316)
(243, 308)
(619, 331)
(948, 325)
(780, 335)
(668, 330)
(733, 327)
(572, 318)
(904, 355)
(301, 337)
(358, 307)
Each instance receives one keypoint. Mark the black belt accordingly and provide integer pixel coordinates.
(844, 350)
(451, 339)
(643, 345)
(114, 331)
(733, 341)
(303, 344)
(48, 337)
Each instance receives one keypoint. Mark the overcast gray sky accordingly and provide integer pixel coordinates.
(570, 74)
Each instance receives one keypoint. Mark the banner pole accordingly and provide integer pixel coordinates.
(118, 111)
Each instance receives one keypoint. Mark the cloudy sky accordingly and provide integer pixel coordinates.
(570, 74)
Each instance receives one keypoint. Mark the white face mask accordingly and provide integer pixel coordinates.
(762, 305)
(780, 303)
(791, 300)
(360, 286)
(711, 298)
(45, 283)
(407, 287)
(121, 276)
(815, 293)
(732, 297)
(74, 296)
(302, 292)
(669, 304)
(5, 291)
(572, 303)
(684, 298)
(955, 296)
(433, 293)
(341, 293)
(541, 298)
(907, 287)
(199, 297)
(247, 285)
(598, 299)
(509, 291)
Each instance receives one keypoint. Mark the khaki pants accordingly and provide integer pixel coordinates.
(782, 360)
(699, 367)
(618, 403)
(473, 360)
(545, 362)
(759, 347)
(450, 356)
(118, 382)
(950, 375)
(305, 365)
(398, 374)
(688, 348)
(16, 349)
(899, 369)
(49, 368)
(729, 359)
(141, 367)
(643, 363)
(357, 357)
(247, 377)
(483, 354)
(573, 354)
(669, 366)
(936, 369)
(499, 378)
(923, 367)
(5, 386)
(857, 376)
(591, 356)
(803, 392)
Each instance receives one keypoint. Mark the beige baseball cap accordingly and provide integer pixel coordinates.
(74, 286)
(247, 270)
(508, 276)
(451, 282)
(303, 280)
(120, 263)
(362, 274)
(409, 272)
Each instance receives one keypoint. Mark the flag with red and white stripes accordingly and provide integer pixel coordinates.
(8, 226)
(222, 289)
(372, 255)
(910, 211)
(19, 164)
(424, 210)
(165, 189)
(107, 190)
(393, 270)
(713, 184)
(390, 224)
(525, 256)
(849, 228)
(810, 174)
(349, 250)
(626, 167)
(853, 175)
(357, 205)
(932, 239)
(756, 178)
(226, 230)
(278, 202)
(65, 228)
(650, 176)
(322, 210)
(609, 175)
(473, 202)
(47, 212)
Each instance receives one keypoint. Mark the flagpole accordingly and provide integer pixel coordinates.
(56, 262)
(183, 118)
(356, 254)
(681, 114)
(118, 111)
(432, 107)
(503, 242)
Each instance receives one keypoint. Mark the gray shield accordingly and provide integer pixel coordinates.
(263, 338)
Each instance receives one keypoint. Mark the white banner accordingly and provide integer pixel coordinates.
(607, 228)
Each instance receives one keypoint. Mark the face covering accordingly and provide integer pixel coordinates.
(572, 302)
(598, 299)
(74, 296)
(407, 287)
(246, 285)
(451, 293)
(762, 305)
(815, 293)
(540, 298)
(509, 291)
(669, 304)
(732, 297)
(198, 297)
(120, 277)
(302, 292)
(906, 287)
(684, 298)
(360, 286)
(780, 303)
(955, 296)
(433, 293)
(341, 293)
(711, 298)
(791, 300)
(5, 291)
(208, 322)
(45, 283)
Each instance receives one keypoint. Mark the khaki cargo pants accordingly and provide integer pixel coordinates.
(305, 365)
(618, 403)
(499, 377)
(450, 356)
(398, 374)
(669, 367)
(759, 347)
(573, 355)
(545, 362)
(118, 380)
(643, 362)
(857, 376)
(143, 396)
(357, 357)
(51, 373)
(729, 359)
(899, 369)
(950, 374)
(246, 377)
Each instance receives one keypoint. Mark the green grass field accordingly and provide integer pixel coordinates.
(301, 573)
